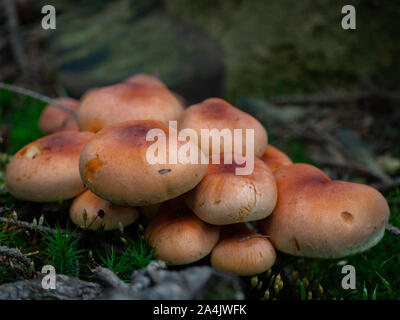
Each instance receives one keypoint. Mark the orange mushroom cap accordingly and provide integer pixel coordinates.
(323, 218)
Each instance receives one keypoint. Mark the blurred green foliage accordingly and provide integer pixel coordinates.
(21, 114)
(283, 46)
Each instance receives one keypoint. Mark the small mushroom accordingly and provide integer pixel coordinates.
(275, 158)
(54, 119)
(137, 99)
(323, 218)
(242, 251)
(114, 166)
(223, 197)
(179, 237)
(88, 211)
(47, 169)
(215, 113)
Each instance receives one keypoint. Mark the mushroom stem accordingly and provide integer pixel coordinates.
(36, 95)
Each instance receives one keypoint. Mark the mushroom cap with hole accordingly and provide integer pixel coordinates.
(223, 197)
(215, 113)
(242, 251)
(114, 165)
(179, 237)
(322, 218)
(54, 119)
(88, 211)
(275, 158)
(47, 169)
(137, 100)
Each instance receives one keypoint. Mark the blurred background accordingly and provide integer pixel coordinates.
(327, 96)
(248, 52)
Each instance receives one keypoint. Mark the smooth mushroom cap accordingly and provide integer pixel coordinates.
(215, 113)
(114, 166)
(47, 169)
(323, 218)
(54, 119)
(146, 79)
(150, 80)
(127, 101)
(88, 211)
(242, 251)
(275, 158)
(223, 197)
(179, 237)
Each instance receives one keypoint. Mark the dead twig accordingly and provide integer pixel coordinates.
(16, 260)
(17, 45)
(334, 98)
(351, 166)
(109, 279)
(393, 230)
(31, 226)
(387, 186)
(36, 95)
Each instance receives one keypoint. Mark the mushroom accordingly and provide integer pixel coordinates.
(137, 99)
(218, 114)
(275, 158)
(114, 165)
(323, 218)
(54, 119)
(88, 211)
(223, 197)
(145, 79)
(47, 169)
(179, 237)
(242, 251)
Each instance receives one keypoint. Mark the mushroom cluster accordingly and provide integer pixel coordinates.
(192, 210)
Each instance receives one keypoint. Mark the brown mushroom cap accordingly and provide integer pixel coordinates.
(47, 169)
(323, 218)
(146, 79)
(223, 197)
(242, 251)
(54, 119)
(100, 212)
(138, 100)
(275, 158)
(179, 237)
(218, 114)
(114, 166)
